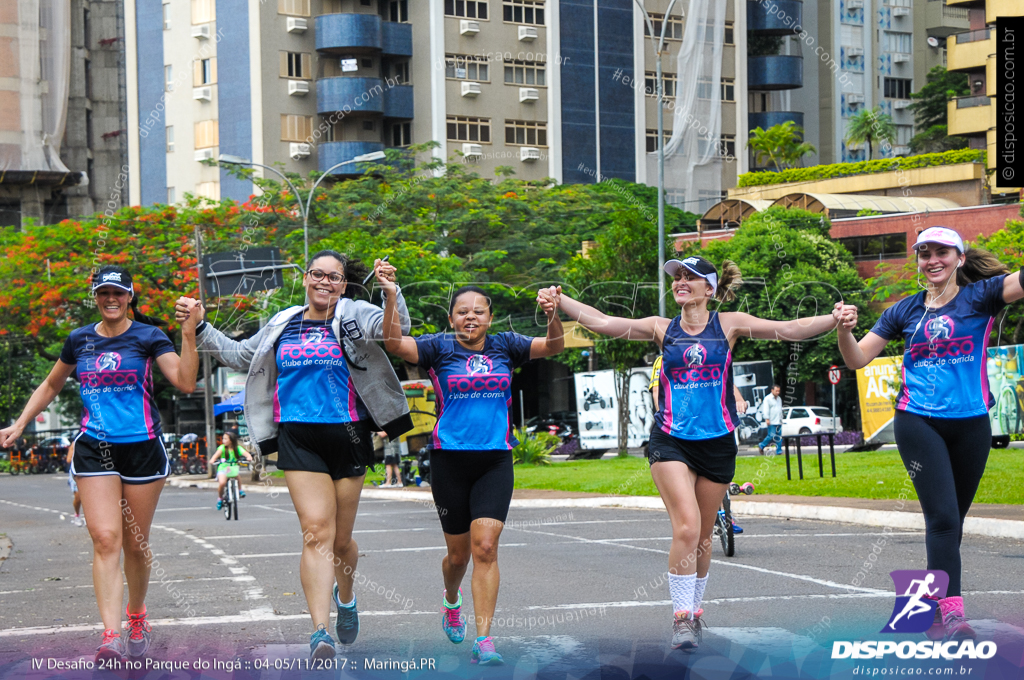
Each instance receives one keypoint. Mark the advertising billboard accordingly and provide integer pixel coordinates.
(877, 384)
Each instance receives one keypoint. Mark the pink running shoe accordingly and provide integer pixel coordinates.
(954, 621)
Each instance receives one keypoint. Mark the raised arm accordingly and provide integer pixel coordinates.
(392, 332)
(856, 354)
(742, 325)
(181, 371)
(554, 342)
(232, 353)
(40, 399)
(649, 328)
(1013, 287)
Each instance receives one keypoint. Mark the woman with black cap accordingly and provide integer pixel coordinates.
(119, 462)
(941, 424)
(692, 446)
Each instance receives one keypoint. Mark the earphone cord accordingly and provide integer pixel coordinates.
(929, 309)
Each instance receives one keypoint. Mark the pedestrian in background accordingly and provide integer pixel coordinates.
(771, 409)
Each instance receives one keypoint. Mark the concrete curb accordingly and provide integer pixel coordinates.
(975, 526)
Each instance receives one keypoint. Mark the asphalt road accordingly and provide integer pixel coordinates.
(581, 588)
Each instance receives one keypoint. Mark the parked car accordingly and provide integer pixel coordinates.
(809, 420)
(563, 424)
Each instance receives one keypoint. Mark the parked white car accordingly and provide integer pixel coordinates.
(809, 420)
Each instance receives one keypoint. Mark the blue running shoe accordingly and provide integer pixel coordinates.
(347, 627)
(241, 493)
(220, 503)
(452, 622)
(736, 528)
(484, 653)
(321, 646)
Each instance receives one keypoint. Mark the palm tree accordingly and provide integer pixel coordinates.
(782, 145)
(871, 127)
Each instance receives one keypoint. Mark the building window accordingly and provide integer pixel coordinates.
(462, 67)
(467, 9)
(204, 72)
(206, 134)
(674, 31)
(398, 10)
(526, 133)
(877, 247)
(210, 190)
(724, 148)
(168, 77)
(299, 8)
(652, 139)
(524, 11)
(904, 133)
(167, 19)
(466, 129)
(897, 88)
(524, 73)
(295, 128)
(401, 134)
(170, 139)
(203, 11)
(170, 191)
(709, 33)
(669, 82)
(728, 33)
(365, 3)
(296, 65)
(704, 90)
(898, 42)
(368, 125)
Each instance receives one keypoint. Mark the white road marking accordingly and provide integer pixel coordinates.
(385, 550)
(240, 578)
(748, 536)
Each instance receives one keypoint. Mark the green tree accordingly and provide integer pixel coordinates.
(936, 139)
(930, 101)
(782, 145)
(871, 127)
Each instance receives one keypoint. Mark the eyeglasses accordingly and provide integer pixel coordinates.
(333, 277)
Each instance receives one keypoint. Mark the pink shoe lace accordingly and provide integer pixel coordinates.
(453, 616)
(487, 644)
(137, 625)
(110, 635)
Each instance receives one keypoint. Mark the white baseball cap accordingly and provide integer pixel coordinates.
(941, 235)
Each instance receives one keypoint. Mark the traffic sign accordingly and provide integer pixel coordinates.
(833, 375)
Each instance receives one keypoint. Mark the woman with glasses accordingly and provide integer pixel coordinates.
(318, 385)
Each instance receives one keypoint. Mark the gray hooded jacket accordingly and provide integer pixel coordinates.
(357, 325)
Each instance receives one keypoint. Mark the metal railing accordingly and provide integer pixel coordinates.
(969, 102)
(973, 36)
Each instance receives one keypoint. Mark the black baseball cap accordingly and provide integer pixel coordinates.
(699, 266)
(112, 277)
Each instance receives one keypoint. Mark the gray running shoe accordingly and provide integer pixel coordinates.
(686, 631)
(112, 647)
(140, 635)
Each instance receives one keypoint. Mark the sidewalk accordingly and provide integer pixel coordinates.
(997, 521)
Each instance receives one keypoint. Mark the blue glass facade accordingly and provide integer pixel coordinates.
(152, 107)
(234, 100)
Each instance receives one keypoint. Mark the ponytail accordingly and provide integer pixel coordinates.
(728, 279)
(142, 318)
(979, 264)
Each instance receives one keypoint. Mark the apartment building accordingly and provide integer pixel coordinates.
(973, 52)
(306, 85)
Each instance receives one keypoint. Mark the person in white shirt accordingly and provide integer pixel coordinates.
(771, 408)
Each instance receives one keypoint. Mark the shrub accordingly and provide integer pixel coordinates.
(534, 448)
(820, 172)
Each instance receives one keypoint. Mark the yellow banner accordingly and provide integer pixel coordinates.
(877, 383)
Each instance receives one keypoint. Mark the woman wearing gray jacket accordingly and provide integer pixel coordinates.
(318, 385)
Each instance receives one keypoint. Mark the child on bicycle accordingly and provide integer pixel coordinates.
(229, 452)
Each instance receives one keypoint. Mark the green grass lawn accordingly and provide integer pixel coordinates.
(877, 474)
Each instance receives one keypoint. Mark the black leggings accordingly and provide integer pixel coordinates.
(946, 457)
(470, 485)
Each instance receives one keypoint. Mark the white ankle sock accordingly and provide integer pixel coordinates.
(681, 588)
(698, 593)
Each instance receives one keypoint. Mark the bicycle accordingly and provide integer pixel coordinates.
(232, 493)
(725, 528)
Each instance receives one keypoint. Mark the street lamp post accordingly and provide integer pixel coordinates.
(303, 209)
(659, 46)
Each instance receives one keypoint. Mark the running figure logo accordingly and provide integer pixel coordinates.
(479, 363)
(939, 328)
(313, 336)
(108, 361)
(695, 355)
(913, 613)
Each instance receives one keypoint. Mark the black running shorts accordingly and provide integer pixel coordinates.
(135, 462)
(470, 485)
(713, 459)
(337, 449)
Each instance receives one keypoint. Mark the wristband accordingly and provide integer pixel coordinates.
(1020, 277)
(201, 326)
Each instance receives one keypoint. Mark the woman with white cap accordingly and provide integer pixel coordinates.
(692, 446)
(941, 423)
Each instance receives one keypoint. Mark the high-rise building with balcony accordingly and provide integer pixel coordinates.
(552, 88)
(973, 52)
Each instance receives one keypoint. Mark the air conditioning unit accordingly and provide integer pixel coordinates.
(901, 150)
(901, 11)
(527, 33)
(298, 150)
(900, 57)
(901, 104)
(296, 25)
(529, 94)
(467, 27)
(201, 32)
(854, 99)
(854, 51)
(299, 88)
(854, 4)
(529, 154)
(472, 150)
(470, 89)
(202, 93)
(204, 154)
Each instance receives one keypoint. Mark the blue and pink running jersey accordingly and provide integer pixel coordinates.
(116, 377)
(696, 400)
(473, 389)
(313, 380)
(944, 361)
